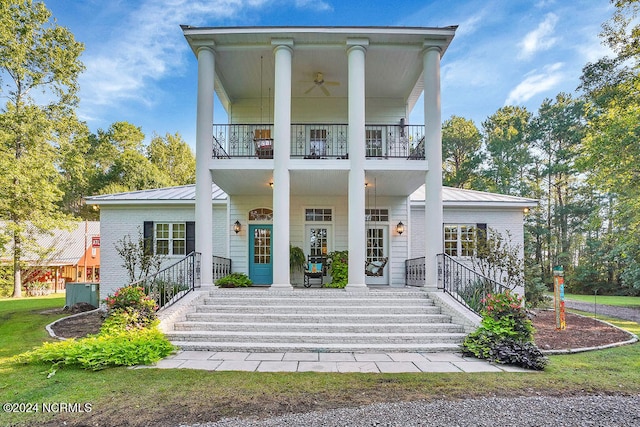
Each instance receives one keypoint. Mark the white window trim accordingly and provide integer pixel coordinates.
(170, 239)
(459, 239)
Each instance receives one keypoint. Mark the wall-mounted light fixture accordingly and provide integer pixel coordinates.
(237, 226)
(400, 228)
(271, 184)
(525, 210)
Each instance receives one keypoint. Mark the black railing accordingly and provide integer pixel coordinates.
(394, 141)
(172, 283)
(221, 267)
(415, 271)
(320, 141)
(243, 140)
(465, 285)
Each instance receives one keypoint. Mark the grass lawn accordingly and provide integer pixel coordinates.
(171, 397)
(605, 299)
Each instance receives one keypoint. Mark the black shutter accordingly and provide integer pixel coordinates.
(148, 237)
(191, 237)
(481, 239)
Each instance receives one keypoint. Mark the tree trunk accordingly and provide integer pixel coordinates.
(17, 276)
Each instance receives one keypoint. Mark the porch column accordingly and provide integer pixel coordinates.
(433, 151)
(283, 51)
(204, 126)
(356, 49)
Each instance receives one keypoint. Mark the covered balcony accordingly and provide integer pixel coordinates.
(318, 141)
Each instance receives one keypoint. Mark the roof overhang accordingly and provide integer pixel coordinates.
(245, 61)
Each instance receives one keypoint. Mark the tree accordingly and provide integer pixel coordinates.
(35, 55)
(506, 140)
(557, 133)
(461, 152)
(173, 155)
(119, 163)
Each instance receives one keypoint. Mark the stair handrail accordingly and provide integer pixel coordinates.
(464, 284)
(173, 282)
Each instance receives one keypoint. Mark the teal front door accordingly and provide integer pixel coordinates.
(260, 249)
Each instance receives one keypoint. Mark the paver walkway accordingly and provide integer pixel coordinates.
(329, 362)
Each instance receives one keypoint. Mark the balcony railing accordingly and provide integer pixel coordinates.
(318, 141)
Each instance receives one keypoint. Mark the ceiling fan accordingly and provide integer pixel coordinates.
(320, 82)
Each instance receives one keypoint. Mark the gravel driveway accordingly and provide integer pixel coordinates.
(491, 412)
(626, 313)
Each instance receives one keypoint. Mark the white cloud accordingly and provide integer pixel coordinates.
(318, 5)
(535, 83)
(539, 39)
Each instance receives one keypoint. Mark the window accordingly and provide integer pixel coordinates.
(170, 238)
(318, 215)
(261, 214)
(460, 240)
(375, 215)
(318, 241)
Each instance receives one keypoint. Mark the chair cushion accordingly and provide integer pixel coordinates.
(315, 267)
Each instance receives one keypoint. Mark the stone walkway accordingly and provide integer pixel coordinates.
(329, 362)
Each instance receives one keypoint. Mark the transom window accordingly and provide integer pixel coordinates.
(376, 215)
(170, 238)
(318, 215)
(460, 240)
(261, 214)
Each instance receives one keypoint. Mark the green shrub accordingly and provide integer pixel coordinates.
(505, 334)
(338, 268)
(234, 280)
(123, 348)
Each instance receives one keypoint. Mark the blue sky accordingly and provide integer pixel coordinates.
(140, 69)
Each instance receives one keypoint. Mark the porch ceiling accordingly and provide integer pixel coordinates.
(318, 182)
(245, 60)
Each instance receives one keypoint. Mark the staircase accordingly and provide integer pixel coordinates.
(321, 320)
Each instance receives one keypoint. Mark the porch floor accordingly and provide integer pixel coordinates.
(329, 362)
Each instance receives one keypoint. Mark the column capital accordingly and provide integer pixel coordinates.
(282, 44)
(359, 44)
(429, 47)
(204, 45)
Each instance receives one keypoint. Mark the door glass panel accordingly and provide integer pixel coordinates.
(318, 242)
(374, 142)
(262, 246)
(375, 244)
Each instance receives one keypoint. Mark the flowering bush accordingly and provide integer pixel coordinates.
(505, 332)
(130, 308)
(338, 262)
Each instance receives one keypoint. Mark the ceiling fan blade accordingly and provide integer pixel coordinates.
(324, 89)
(332, 83)
(310, 89)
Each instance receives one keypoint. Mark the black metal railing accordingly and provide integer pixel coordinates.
(415, 271)
(172, 283)
(465, 285)
(243, 140)
(221, 267)
(320, 141)
(394, 141)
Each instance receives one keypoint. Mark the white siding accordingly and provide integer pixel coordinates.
(118, 222)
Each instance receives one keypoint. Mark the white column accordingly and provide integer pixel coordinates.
(282, 142)
(433, 152)
(357, 238)
(204, 129)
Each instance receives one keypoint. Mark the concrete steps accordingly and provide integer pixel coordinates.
(316, 320)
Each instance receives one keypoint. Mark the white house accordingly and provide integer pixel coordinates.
(317, 153)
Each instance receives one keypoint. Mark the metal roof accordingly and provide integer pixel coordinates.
(184, 194)
(458, 197)
(66, 246)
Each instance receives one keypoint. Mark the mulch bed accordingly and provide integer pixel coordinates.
(581, 331)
